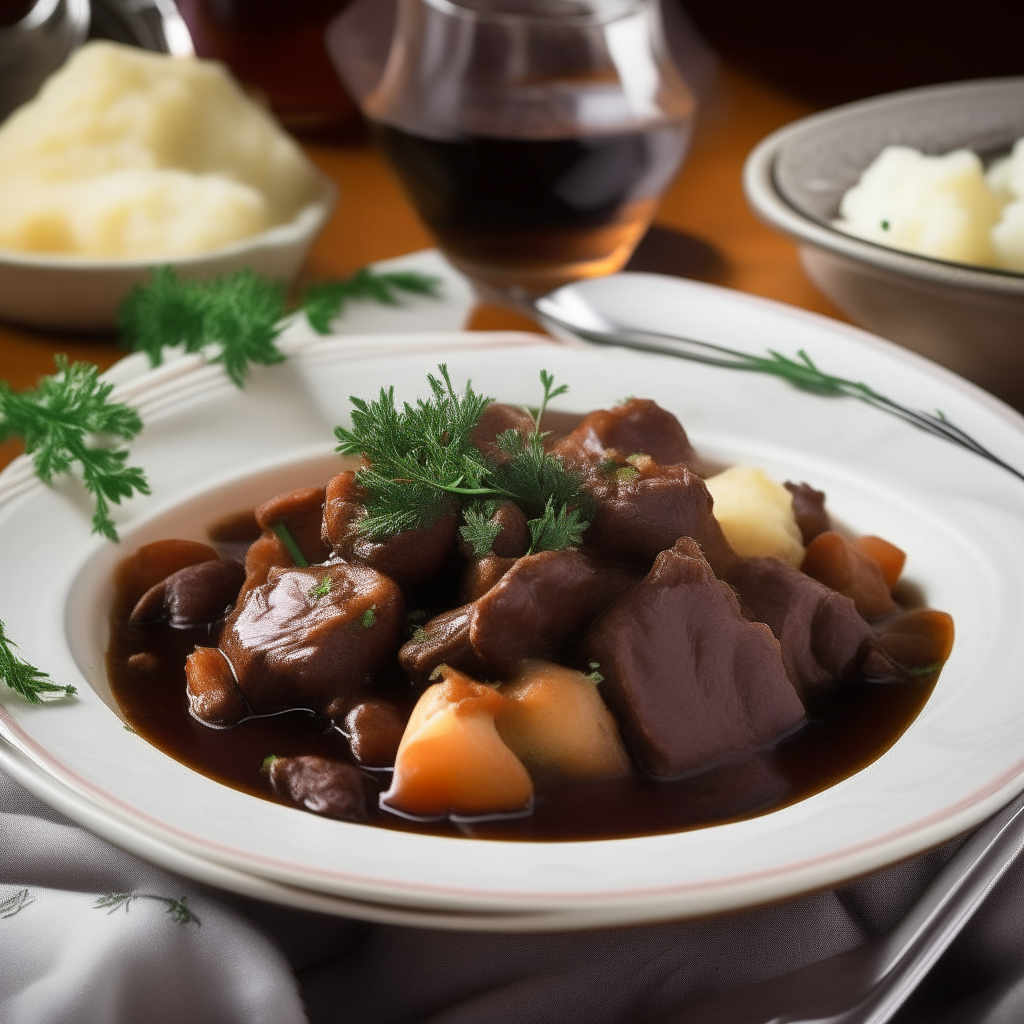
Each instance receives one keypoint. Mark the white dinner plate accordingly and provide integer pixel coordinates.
(209, 448)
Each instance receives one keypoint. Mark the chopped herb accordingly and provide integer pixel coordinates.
(128, 728)
(25, 679)
(369, 617)
(289, 542)
(420, 635)
(885, 225)
(179, 909)
(67, 420)
(924, 670)
(267, 762)
(595, 675)
(421, 461)
(322, 589)
(608, 466)
(627, 472)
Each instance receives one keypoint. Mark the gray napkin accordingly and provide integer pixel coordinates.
(74, 951)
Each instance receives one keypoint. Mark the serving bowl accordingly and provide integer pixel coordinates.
(968, 318)
(208, 445)
(82, 293)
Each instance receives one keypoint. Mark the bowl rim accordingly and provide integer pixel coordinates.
(307, 223)
(770, 204)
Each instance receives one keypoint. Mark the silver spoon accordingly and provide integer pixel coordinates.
(868, 984)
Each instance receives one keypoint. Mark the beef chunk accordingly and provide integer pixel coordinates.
(410, 558)
(444, 640)
(481, 574)
(636, 426)
(310, 638)
(842, 565)
(192, 596)
(302, 513)
(640, 513)
(374, 729)
(496, 419)
(213, 695)
(689, 679)
(514, 538)
(540, 605)
(824, 639)
(318, 784)
(152, 563)
(809, 510)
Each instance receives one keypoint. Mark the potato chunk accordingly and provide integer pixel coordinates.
(557, 723)
(451, 759)
(756, 514)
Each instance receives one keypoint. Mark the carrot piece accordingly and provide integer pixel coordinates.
(890, 558)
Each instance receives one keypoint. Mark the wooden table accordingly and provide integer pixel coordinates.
(374, 221)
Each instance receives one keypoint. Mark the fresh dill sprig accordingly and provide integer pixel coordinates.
(418, 457)
(236, 319)
(324, 302)
(26, 680)
(180, 911)
(801, 372)
(67, 420)
(420, 463)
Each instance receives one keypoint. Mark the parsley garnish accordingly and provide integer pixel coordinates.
(480, 531)
(369, 618)
(236, 319)
(420, 462)
(25, 679)
(322, 589)
(594, 675)
(63, 421)
(323, 302)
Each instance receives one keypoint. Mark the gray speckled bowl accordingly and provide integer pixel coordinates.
(969, 318)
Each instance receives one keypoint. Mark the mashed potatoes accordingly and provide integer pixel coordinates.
(941, 206)
(126, 153)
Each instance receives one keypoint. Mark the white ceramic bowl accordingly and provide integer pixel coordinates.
(208, 447)
(77, 293)
(969, 318)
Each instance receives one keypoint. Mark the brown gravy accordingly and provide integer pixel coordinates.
(847, 729)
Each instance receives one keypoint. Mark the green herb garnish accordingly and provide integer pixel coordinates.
(369, 618)
(322, 589)
(421, 463)
(236, 319)
(34, 685)
(68, 420)
(594, 675)
(289, 542)
(323, 302)
(480, 531)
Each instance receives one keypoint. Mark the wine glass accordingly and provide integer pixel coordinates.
(534, 137)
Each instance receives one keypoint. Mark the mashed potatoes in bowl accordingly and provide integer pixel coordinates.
(128, 159)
